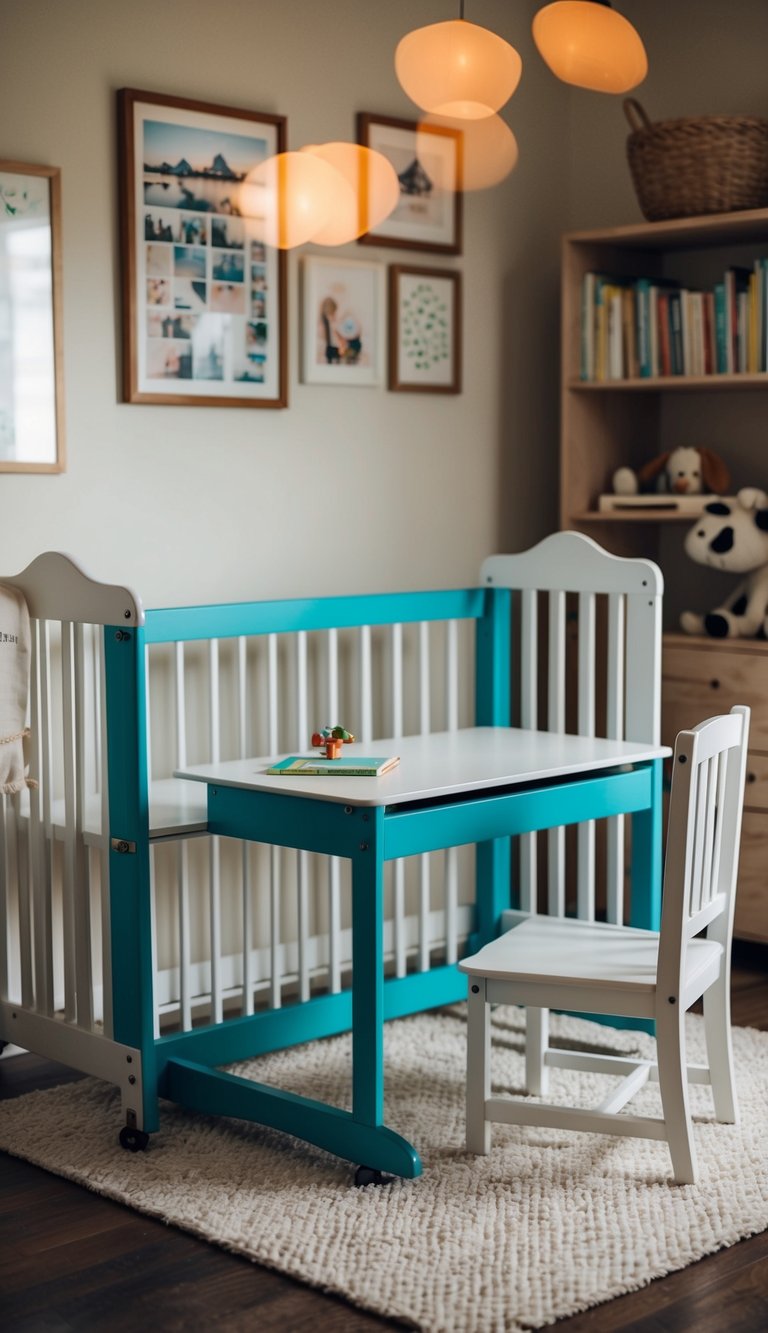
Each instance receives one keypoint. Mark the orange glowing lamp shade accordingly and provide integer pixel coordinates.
(588, 44)
(457, 69)
(368, 191)
(286, 199)
(489, 150)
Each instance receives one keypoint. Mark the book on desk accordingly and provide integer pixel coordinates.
(315, 766)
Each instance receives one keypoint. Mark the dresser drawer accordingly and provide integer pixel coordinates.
(700, 681)
(751, 920)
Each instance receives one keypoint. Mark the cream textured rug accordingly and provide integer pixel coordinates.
(547, 1225)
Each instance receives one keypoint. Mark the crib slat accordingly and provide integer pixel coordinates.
(106, 930)
(182, 882)
(529, 657)
(181, 706)
(615, 731)
(396, 651)
(41, 903)
(247, 916)
(716, 850)
(153, 946)
(334, 865)
(585, 871)
(556, 722)
(366, 685)
(425, 718)
(246, 881)
(214, 852)
(302, 858)
(83, 967)
(398, 868)
(70, 789)
(452, 675)
(275, 950)
(272, 730)
(24, 901)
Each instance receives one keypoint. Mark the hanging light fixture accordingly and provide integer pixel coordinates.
(586, 43)
(489, 149)
(368, 191)
(287, 198)
(457, 69)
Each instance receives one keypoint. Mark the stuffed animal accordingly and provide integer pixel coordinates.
(680, 471)
(732, 534)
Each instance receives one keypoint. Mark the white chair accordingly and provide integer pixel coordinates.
(589, 967)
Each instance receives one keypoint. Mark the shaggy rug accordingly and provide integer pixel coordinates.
(548, 1224)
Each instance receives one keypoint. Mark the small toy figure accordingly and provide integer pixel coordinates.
(330, 740)
(681, 471)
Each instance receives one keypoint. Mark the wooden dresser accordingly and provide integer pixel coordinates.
(696, 684)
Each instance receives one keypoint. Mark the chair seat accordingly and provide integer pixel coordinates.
(563, 950)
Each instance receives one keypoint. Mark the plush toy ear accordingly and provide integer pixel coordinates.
(652, 469)
(714, 473)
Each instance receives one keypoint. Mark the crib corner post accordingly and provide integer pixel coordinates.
(129, 862)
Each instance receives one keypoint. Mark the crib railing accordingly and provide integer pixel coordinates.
(261, 686)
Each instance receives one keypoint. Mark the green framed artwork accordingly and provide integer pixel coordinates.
(424, 330)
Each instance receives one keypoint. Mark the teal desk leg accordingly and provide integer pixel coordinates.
(645, 900)
(384, 1150)
(492, 874)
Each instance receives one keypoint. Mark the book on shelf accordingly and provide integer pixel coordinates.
(348, 766)
(647, 328)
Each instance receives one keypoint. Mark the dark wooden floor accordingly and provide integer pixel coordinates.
(72, 1260)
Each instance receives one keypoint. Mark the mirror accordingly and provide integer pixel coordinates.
(31, 380)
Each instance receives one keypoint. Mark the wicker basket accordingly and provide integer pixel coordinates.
(703, 164)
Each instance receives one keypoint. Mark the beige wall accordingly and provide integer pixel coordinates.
(196, 504)
(199, 504)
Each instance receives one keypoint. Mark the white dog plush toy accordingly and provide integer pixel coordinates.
(732, 534)
(680, 471)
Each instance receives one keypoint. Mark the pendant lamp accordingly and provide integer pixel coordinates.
(368, 191)
(457, 69)
(489, 149)
(586, 43)
(286, 199)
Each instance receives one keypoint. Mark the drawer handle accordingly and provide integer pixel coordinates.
(751, 777)
(714, 684)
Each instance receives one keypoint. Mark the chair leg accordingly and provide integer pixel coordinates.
(536, 1044)
(673, 1085)
(717, 1027)
(478, 1067)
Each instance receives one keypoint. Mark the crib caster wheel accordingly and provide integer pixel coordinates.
(369, 1175)
(133, 1140)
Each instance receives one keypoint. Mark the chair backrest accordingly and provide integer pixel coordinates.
(703, 837)
(588, 625)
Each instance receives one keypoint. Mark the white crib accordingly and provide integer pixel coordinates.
(125, 929)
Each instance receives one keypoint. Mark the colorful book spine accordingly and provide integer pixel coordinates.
(643, 298)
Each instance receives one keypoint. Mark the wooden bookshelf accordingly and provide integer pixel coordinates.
(607, 425)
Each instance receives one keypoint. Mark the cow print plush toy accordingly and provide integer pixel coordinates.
(732, 534)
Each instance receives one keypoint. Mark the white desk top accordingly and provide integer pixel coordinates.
(444, 763)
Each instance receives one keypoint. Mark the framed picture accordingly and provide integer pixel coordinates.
(343, 321)
(31, 374)
(204, 308)
(427, 161)
(424, 330)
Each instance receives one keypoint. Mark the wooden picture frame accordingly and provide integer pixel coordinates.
(424, 330)
(427, 159)
(31, 359)
(204, 296)
(343, 321)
